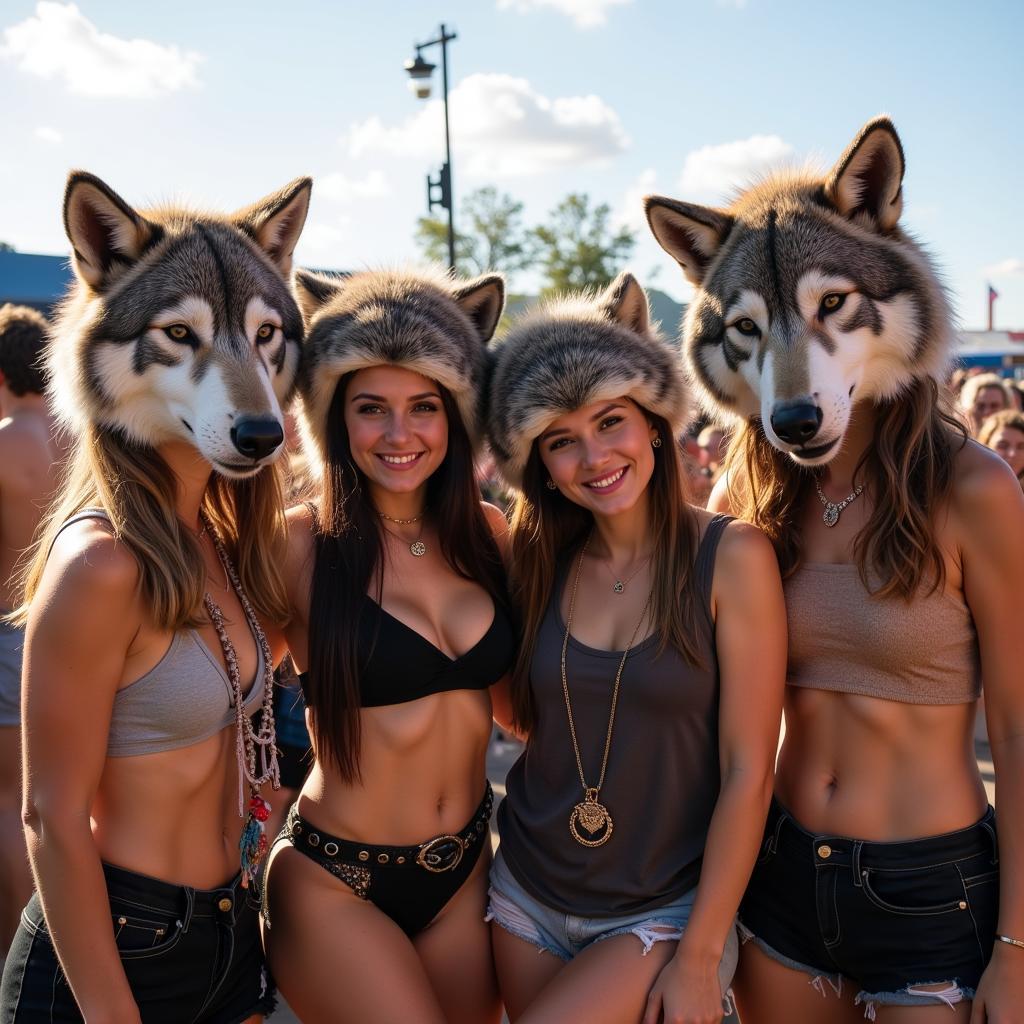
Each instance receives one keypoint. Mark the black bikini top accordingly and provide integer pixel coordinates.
(397, 664)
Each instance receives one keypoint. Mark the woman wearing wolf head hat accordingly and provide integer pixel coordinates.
(144, 660)
(649, 681)
(821, 329)
(376, 887)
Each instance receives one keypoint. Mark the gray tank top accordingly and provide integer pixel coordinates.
(182, 700)
(663, 772)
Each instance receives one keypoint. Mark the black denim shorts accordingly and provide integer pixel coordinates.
(888, 916)
(190, 956)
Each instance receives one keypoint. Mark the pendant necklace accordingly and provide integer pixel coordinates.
(417, 547)
(831, 514)
(590, 823)
(620, 585)
(248, 741)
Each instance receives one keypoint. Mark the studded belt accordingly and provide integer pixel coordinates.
(437, 855)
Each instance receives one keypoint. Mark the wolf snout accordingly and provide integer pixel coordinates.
(796, 423)
(256, 437)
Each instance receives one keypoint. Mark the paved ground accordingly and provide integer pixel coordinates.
(502, 755)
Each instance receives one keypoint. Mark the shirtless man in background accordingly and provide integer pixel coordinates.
(28, 477)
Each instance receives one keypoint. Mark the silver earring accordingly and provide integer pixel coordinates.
(656, 443)
(551, 485)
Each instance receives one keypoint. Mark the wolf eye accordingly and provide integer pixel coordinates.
(265, 332)
(181, 334)
(831, 303)
(747, 327)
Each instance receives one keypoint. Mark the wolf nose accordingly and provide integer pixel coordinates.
(256, 437)
(796, 422)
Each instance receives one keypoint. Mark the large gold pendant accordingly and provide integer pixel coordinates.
(594, 820)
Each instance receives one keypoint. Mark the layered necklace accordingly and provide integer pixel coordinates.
(590, 822)
(417, 547)
(256, 749)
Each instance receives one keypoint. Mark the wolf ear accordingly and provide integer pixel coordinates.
(482, 300)
(690, 234)
(313, 291)
(625, 302)
(276, 221)
(103, 229)
(869, 176)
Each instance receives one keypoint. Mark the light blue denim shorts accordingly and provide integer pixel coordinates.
(566, 935)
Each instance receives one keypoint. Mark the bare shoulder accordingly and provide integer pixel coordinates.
(721, 498)
(301, 524)
(495, 519)
(22, 443)
(985, 490)
(745, 551)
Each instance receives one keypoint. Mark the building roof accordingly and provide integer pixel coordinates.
(32, 280)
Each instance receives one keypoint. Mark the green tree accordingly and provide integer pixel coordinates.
(492, 235)
(6, 247)
(577, 247)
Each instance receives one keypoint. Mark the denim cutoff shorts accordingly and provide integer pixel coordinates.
(191, 956)
(891, 917)
(566, 936)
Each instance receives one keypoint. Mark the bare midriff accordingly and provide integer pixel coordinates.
(877, 769)
(422, 766)
(173, 815)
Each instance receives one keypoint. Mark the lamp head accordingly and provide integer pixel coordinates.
(419, 71)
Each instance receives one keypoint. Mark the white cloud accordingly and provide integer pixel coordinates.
(501, 127)
(323, 242)
(342, 189)
(1005, 268)
(50, 135)
(630, 213)
(59, 41)
(584, 13)
(711, 172)
(737, 4)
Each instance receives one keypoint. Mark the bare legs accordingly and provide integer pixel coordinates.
(338, 959)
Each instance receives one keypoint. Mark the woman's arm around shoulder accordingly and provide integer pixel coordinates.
(498, 523)
(501, 692)
(989, 512)
(82, 623)
(720, 500)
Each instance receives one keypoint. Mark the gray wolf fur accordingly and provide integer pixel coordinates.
(422, 320)
(180, 325)
(573, 351)
(809, 296)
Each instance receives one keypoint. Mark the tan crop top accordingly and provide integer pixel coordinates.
(842, 638)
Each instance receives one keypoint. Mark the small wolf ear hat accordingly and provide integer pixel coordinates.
(572, 352)
(421, 320)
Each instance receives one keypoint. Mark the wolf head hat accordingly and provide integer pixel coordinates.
(420, 320)
(572, 352)
(180, 325)
(809, 296)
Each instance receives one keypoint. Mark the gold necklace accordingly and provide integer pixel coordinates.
(620, 584)
(590, 814)
(417, 547)
(402, 522)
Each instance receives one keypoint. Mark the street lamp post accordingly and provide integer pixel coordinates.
(439, 190)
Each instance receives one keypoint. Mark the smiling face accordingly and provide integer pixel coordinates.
(397, 427)
(1009, 444)
(600, 456)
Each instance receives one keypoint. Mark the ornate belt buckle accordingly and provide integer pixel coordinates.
(441, 854)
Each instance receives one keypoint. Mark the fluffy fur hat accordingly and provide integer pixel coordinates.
(422, 320)
(574, 351)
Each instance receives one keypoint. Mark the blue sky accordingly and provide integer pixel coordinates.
(222, 102)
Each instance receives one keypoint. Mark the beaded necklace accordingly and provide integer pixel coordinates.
(253, 843)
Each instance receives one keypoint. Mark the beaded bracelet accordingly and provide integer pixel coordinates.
(1009, 941)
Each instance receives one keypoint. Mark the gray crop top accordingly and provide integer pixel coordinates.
(182, 700)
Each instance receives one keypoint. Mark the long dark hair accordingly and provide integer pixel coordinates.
(349, 555)
(546, 527)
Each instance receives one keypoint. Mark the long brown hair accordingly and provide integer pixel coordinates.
(138, 490)
(349, 556)
(546, 527)
(909, 468)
